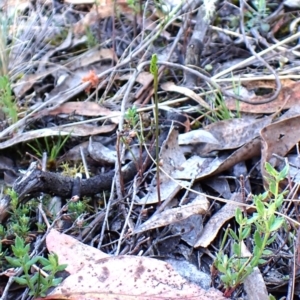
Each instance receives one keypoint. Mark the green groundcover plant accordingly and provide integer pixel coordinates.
(262, 227)
(37, 283)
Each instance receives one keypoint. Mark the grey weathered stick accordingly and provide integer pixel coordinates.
(195, 46)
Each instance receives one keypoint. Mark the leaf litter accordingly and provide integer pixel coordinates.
(79, 70)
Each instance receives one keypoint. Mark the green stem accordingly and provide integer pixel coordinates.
(155, 83)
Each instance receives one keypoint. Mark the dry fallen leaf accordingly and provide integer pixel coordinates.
(74, 130)
(172, 87)
(234, 133)
(197, 167)
(254, 283)
(216, 222)
(89, 109)
(172, 157)
(144, 78)
(71, 252)
(288, 97)
(96, 276)
(279, 138)
(103, 9)
(173, 215)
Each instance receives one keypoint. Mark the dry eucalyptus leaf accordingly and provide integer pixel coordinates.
(199, 206)
(234, 133)
(172, 87)
(88, 59)
(198, 167)
(172, 157)
(6, 163)
(97, 276)
(247, 151)
(144, 78)
(130, 277)
(216, 222)
(189, 229)
(279, 138)
(254, 283)
(71, 252)
(281, 102)
(89, 109)
(100, 153)
(75, 130)
(168, 189)
(197, 136)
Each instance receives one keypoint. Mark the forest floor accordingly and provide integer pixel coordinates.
(149, 149)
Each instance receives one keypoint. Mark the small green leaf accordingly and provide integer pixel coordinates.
(43, 294)
(276, 224)
(61, 267)
(246, 232)
(14, 262)
(226, 279)
(32, 261)
(271, 240)
(19, 243)
(279, 201)
(256, 251)
(34, 278)
(238, 216)
(53, 258)
(273, 187)
(261, 261)
(44, 261)
(229, 273)
(48, 268)
(264, 196)
(221, 268)
(42, 279)
(252, 219)
(267, 252)
(56, 281)
(20, 280)
(233, 234)
(271, 209)
(258, 240)
(260, 207)
(271, 170)
(283, 173)
(236, 249)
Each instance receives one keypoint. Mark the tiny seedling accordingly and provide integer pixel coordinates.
(7, 102)
(221, 112)
(134, 5)
(37, 284)
(263, 226)
(154, 72)
(256, 18)
(18, 223)
(76, 209)
(132, 117)
(91, 39)
(52, 150)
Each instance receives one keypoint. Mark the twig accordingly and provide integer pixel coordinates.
(278, 83)
(128, 216)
